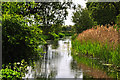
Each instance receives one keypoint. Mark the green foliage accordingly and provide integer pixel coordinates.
(14, 71)
(18, 38)
(20, 41)
(118, 19)
(55, 44)
(95, 64)
(104, 12)
(50, 15)
(68, 30)
(61, 35)
(54, 36)
(82, 19)
(104, 52)
(19, 8)
(74, 36)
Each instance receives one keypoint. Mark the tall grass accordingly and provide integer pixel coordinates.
(100, 42)
(97, 50)
(101, 34)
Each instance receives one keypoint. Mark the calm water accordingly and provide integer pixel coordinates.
(57, 63)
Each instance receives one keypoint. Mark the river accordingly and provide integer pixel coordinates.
(57, 63)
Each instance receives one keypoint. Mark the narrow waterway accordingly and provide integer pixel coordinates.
(57, 63)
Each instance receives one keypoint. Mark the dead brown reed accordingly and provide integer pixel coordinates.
(100, 34)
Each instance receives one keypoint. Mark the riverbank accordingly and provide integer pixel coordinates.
(101, 43)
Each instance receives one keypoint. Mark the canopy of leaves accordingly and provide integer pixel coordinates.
(22, 40)
(82, 19)
(18, 38)
(104, 12)
(50, 15)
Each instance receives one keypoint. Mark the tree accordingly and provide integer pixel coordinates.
(118, 20)
(18, 39)
(22, 40)
(104, 13)
(82, 19)
(50, 15)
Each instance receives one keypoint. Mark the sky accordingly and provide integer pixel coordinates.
(69, 17)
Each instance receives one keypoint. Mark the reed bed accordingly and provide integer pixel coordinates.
(100, 42)
(101, 34)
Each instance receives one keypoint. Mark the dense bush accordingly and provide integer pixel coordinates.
(118, 20)
(82, 19)
(61, 35)
(104, 12)
(19, 39)
(53, 36)
(14, 71)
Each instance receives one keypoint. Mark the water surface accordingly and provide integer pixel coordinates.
(57, 63)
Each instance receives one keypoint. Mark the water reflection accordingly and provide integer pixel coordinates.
(57, 63)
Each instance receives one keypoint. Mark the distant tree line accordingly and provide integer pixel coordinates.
(96, 13)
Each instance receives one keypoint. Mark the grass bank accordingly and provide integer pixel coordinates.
(100, 42)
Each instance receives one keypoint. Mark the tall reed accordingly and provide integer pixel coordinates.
(100, 42)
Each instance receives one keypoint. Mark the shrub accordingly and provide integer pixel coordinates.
(82, 19)
(54, 36)
(14, 71)
(61, 35)
(118, 19)
(19, 39)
